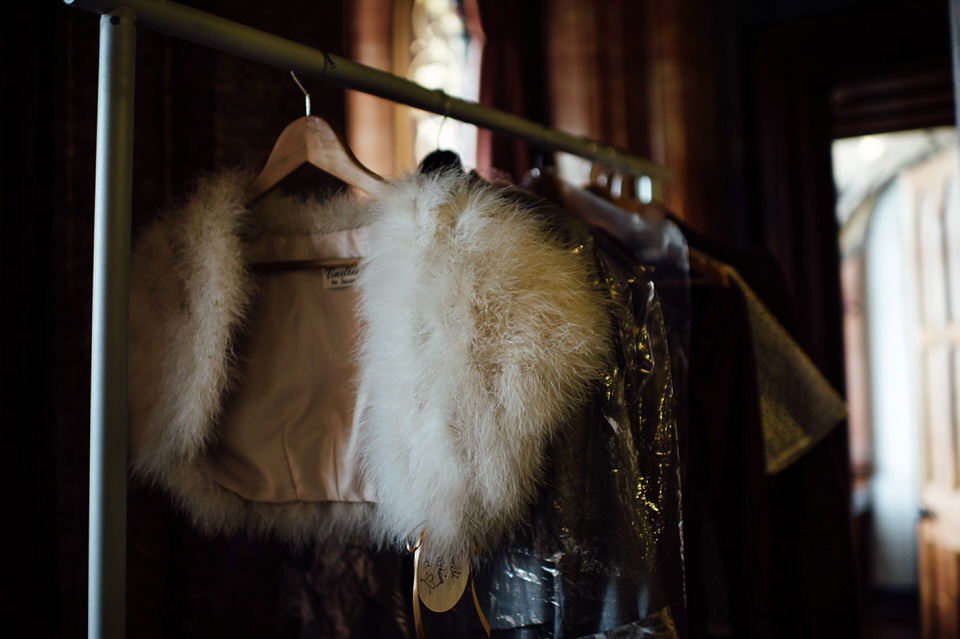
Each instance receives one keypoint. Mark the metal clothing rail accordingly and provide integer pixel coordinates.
(108, 407)
(219, 33)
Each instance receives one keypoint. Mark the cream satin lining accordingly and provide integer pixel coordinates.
(287, 432)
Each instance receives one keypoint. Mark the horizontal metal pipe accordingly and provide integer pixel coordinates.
(226, 35)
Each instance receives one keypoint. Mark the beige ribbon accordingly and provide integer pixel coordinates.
(417, 621)
(417, 618)
(476, 604)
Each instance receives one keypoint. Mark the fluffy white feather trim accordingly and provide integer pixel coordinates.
(484, 330)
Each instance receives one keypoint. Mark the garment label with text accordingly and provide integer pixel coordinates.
(340, 276)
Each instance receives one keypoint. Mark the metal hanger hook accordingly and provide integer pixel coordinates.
(446, 116)
(306, 96)
(445, 104)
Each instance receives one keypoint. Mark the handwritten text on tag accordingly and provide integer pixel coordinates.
(442, 583)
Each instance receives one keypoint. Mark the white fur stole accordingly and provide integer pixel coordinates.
(483, 332)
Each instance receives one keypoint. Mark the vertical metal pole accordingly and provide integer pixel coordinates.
(955, 46)
(106, 610)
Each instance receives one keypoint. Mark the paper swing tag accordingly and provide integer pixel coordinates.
(439, 585)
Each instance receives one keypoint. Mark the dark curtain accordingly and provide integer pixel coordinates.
(30, 53)
(511, 79)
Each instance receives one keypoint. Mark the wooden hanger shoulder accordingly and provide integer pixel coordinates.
(312, 140)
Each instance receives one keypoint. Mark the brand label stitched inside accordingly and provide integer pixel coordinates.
(340, 276)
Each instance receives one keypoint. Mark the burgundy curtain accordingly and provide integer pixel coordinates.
(511, 78)
(638, 75)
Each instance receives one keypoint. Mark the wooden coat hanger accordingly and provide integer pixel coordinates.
(310, 140)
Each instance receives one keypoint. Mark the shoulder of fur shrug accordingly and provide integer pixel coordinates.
(484, 330)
